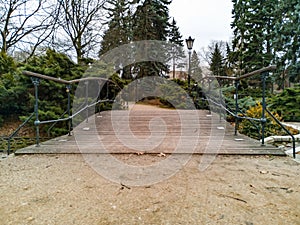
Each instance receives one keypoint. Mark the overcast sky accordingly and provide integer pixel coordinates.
(204, 20)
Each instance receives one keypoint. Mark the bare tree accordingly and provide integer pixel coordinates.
(25, 24)
(82, 23)
(206, 53)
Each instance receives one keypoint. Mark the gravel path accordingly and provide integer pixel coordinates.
(64, 189)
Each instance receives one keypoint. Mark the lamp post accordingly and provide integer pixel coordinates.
(189, 43)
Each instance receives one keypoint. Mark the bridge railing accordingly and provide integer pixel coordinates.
(264, 73)
(36, 77)
(86, 105)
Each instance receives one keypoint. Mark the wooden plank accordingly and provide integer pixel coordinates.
(169, 134)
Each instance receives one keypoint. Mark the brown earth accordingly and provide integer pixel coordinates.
(11, 125)
(64, 189)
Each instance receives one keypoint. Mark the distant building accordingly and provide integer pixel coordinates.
(181, 75)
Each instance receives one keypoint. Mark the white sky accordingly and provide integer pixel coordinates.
(204, 20)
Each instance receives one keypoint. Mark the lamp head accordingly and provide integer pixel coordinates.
(189, 43)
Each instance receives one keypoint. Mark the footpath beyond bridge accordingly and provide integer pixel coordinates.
(152, 130)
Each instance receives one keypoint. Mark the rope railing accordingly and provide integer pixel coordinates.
(50, 128)
(247, 75)
(286, 130)
(85, 106)
(62, 81)
(232, 113)
(264, 73)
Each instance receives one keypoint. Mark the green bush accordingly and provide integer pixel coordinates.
(287, 104)
(52, 95)
(245, 101)
(271, 127)
(13, 92)
(1, 120)
(174, 96)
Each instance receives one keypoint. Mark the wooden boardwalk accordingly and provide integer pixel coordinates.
(152, 130)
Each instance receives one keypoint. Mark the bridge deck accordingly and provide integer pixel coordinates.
(153, 130)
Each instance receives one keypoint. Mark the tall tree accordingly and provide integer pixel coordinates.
(228, 63)
(287, 38)
(177, 52)
(208, 51)
(118, 27)
(266, 32)
(239, 31)
(196, 71)
(253, 23)
(119, 32)
(25, 24)
(150, 22)
(82, 22)
(217, 62)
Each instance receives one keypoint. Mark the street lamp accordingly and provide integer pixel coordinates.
(189, 43)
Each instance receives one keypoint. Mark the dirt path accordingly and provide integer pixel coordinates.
(64, 189)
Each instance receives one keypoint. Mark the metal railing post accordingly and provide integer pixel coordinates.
(68, 89)
(8, 146)
(208, 92)
(87, 100)
(263, 116)
(107, 90)
(237, 83)
(220, 98)
(203, 94)
(136, 91)
(36, 82)
(286, 130)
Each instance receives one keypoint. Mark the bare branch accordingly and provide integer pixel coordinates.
(79, 24)
(26, 22)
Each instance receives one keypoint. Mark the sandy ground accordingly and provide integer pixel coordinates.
(64, 189)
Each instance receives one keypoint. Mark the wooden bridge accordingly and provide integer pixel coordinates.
(153, 130)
